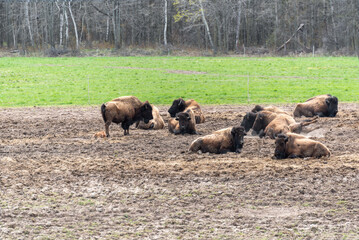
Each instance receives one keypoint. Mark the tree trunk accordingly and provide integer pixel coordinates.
(207, 28)
(61, 22)
(75, 27)
(238, 25)
(27, 19)
(165, 27)
(66, 26)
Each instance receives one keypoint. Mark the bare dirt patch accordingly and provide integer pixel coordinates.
(58, 182)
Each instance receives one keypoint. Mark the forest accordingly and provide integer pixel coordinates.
(282, 27)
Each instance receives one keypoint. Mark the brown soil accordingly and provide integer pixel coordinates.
(58, 182)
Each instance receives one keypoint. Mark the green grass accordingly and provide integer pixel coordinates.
(209, 80)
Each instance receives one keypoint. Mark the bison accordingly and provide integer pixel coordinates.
(273, 109)
(180, 105)
(322, 106)
(183, 123)
(293, 145)
(222, 141)
(155, 124)
(272, 124)
(125, 110)
(248, 120)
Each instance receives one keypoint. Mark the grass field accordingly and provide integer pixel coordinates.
(210, 80)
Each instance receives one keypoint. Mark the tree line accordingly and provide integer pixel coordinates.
(218, 25)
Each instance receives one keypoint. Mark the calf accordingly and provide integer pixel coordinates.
(155, 123)
(125, 110)
(183, 123)
(322, 106)
(180, 105)
(222, 141)
(293, 145)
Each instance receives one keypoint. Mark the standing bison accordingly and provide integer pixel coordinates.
(125, 110)
(221, 141)
(155, 123)
(322, 106)
(180, 105)
(293, 145)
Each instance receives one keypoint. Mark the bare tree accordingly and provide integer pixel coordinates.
(75, 26)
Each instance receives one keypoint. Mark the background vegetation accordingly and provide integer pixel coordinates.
(245, 26)
(209, 80)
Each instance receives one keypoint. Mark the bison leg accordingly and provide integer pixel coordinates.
(107, 128)
(126, 128)
(320, 114)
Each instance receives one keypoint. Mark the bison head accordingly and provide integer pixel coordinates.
(146, 112)
(238, 134)
(259, 124)
(184, 119)
(248, 121)
(332, 103)
(178, 105)
(280, 146)
(257, 108)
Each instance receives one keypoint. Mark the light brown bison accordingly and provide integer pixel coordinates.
(101, 134)
(183, 123)
(322, 106)
(180, 105)
(155, 123)
(225, 140)
(272, 124)
(125, 110)
(293, 145)
(273, 109)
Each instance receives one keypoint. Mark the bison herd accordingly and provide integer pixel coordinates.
(272, 122)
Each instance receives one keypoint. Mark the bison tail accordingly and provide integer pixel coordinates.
(103, 111)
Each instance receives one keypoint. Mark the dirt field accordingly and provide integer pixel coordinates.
(58, 182)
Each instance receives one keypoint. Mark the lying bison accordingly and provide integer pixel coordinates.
(180, 105)
(222, 141)
(125, 110)
(250, 117)
(322, 106)
(155, 123)
(273, 109)
(248, 120)
(293, 145)
(271, 124)
(183, 123)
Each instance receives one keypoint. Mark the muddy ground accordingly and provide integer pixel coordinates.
(58, 182)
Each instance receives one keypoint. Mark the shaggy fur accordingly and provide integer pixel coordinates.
(183, 123)
(180, 105)
(155, 124)
(322, 106)
(125, 110)
(222, 141)
(293, 145)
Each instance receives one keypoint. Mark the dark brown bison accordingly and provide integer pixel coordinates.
(322, 106)
(293, 145)
(125, 110)
(183, 123)
(272, 124)
(155, 123)
(222, 141)
(180, 105)
(248, 120)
